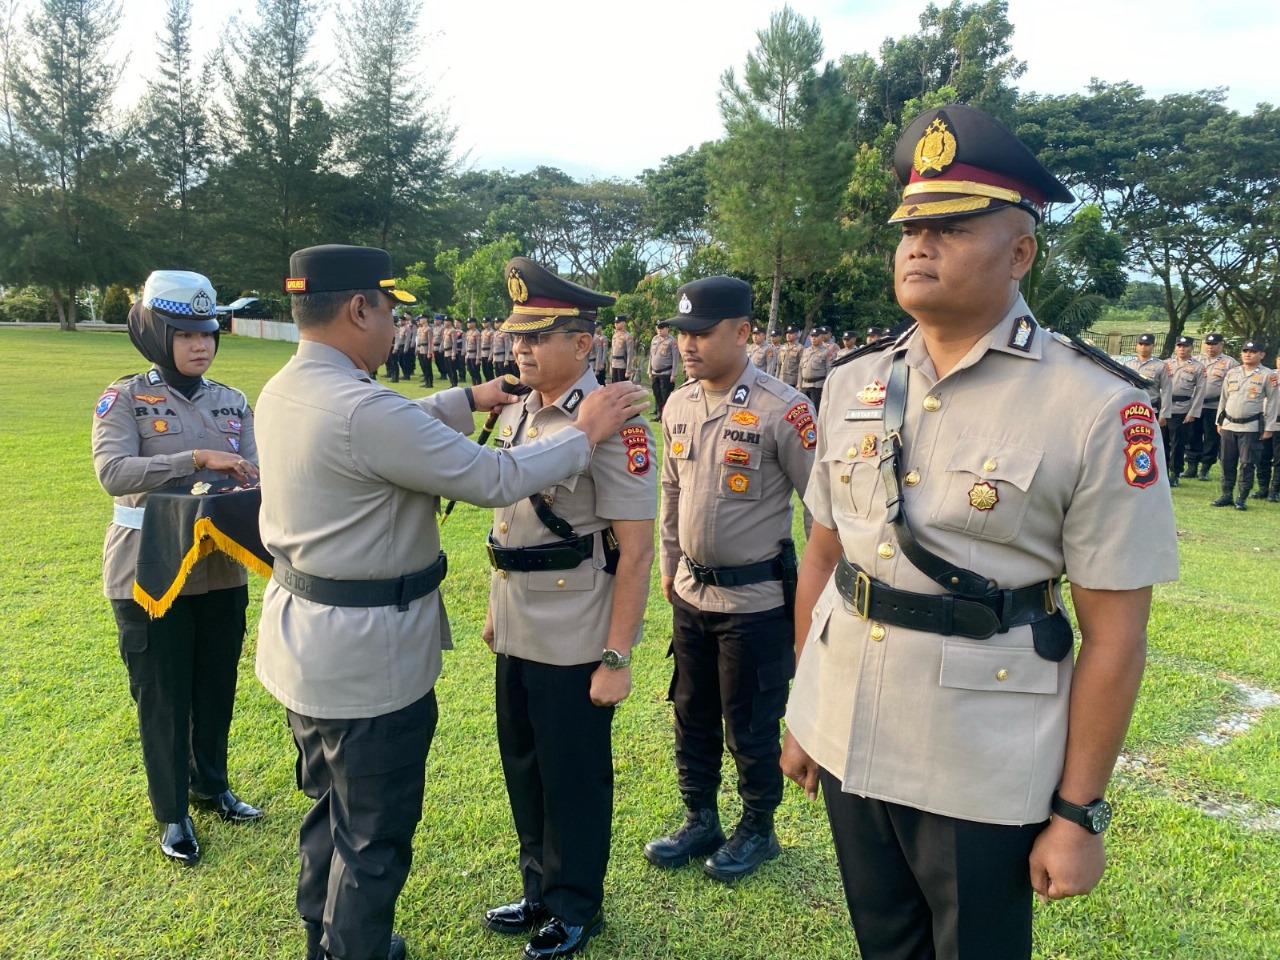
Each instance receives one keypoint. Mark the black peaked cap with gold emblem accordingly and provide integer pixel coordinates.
(955, 161)
(334, 267)
(704, 303)
(542, 301)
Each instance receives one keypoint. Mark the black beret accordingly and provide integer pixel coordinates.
(334, 267)
(1146, 338)
(543, 301)
(704, 303)
(955, 161)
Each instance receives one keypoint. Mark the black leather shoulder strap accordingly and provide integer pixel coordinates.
(1102, 359)
(884, 343)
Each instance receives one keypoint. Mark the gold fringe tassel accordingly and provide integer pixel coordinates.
(208, 538)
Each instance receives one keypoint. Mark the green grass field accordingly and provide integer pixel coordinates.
(81, 875)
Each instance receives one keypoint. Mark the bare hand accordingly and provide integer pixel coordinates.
(1188, 419)
(1066, 860)
(667, 584)
(228, 463)
(799, 766)
(604, 411)
(1164, 422)
(488, 633)
(610, 687)
(490, 396)
(1266, 434)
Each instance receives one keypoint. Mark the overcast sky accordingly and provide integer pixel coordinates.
(606, 89)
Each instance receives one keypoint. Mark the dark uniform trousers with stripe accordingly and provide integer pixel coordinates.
(182, 675)
(921, 886)
(730, 685)
(557, 758)
(367, 778)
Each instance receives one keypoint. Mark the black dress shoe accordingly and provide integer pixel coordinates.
(519, 917)
(1241, 505)
(560, 939)
(699, 836)
(230, 807)
(750, 846)
(178, 842)
(1222, 501)
(397, 950)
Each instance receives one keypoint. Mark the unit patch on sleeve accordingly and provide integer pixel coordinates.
(795, 413)
(1137, 411)
(1140, 469)
(105, 402)
(637, 441)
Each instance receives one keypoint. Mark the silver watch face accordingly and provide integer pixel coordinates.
(613, 659)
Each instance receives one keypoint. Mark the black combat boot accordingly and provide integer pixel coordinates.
(1273, 494)
(1190, 472)
(699, 836)
(753, 842)
(1203, 473)
(1241, 496)
(1225, 500)
(1259, 494)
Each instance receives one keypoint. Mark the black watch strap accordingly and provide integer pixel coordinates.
(1094, 817)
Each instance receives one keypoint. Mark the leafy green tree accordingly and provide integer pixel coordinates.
(479, 283)
(622, 271)
(676, 209)
(778, 175)
(59, 232)
(1076, 273)
(115, 305)
(395, 147)
(416, 281)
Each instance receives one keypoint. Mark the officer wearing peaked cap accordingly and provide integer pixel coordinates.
(935, 688)
(571, 569)
(353, 623)
(736, 444)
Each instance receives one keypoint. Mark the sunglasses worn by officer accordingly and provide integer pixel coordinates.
(537, 339)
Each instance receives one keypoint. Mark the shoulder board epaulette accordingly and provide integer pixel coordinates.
(884, 343)
(127, 376)
(1102, 359)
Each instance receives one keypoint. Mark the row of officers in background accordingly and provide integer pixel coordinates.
(1213, 407)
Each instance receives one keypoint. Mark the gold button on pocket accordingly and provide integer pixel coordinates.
(1002, 674)
(912, 478)
(932, 404)
(886, 550)
(877, 632)
(502, 527)
(502, 574)
(990, 464)
(533, 432)
(559, 583)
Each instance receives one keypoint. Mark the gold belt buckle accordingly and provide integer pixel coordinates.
(862, 594)
(1050, 598)
(493, 558)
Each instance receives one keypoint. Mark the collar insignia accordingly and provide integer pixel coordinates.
(571, 402)
(1024, 331)
(740, 394)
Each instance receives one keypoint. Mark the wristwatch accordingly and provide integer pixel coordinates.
(1095, 817)
(614, 660)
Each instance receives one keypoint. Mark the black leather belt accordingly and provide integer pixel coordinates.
(736, 576)
(945, 614)
(1181, 399)
(561, 555)
(1256, 418)
(398, 592)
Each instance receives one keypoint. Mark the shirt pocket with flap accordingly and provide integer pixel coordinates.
(985, 667)
(153, 427)
(852, 461)
(988, 488)
(580, 578)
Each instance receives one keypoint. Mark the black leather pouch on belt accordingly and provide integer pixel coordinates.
(1053, 637)
(790, 568)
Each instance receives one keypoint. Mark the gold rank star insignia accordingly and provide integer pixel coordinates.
(983, 496)
(936, 150)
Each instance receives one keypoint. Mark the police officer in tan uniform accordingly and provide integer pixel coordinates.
(789, 359)
(352, 622)
(447, 337)
(1246, 418)
(599, 357)
(501, 353)
(471, 351)
(622, 350)
(486, 348)
(736, 443)
(935, 700)
(848, 344)
(1153, 369)
(1216, 365)
(763, 355)
(1187, 387)
(173, 427)
(663, 360)
(815, 363)
(425, 351)
(460, 351)
(571, 576)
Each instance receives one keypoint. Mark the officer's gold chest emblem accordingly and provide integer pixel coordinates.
(936, 150)
(983, 496)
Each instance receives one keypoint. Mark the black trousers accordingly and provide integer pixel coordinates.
(473, 369)
(424, 364)
(1184, 443)
(1268, 461)
(486, 366)
(442, 364)
(1240, 454)
(367, 778)
(1208, 454)
(619, 373)
(182, 675)
(921, 886)
(815, 397)
(557, 759)
(600, 376)
(662, 388)
(730, 685)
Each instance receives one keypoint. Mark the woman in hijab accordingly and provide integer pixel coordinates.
(170, 427)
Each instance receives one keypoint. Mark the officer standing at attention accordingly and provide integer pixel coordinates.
(501, 352)
(762, 354)
(1153, 369)
(789, 359)
(1216, 365)
(471, 348)
(425, 351)
(172, 427)
(848, 344)
(1246, 418)
(437, 345)
(815, 363)
(486, 348)
(447, 334)
(566, 604)
(460, 351)
(775, 342)
(599, 359)
(1187, 385)
(352, 622)
(663, 359)
(935, 699)
(874, 334)
(622, 351)
(735, 445)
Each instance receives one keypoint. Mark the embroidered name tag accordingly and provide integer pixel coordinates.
(855, 413)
